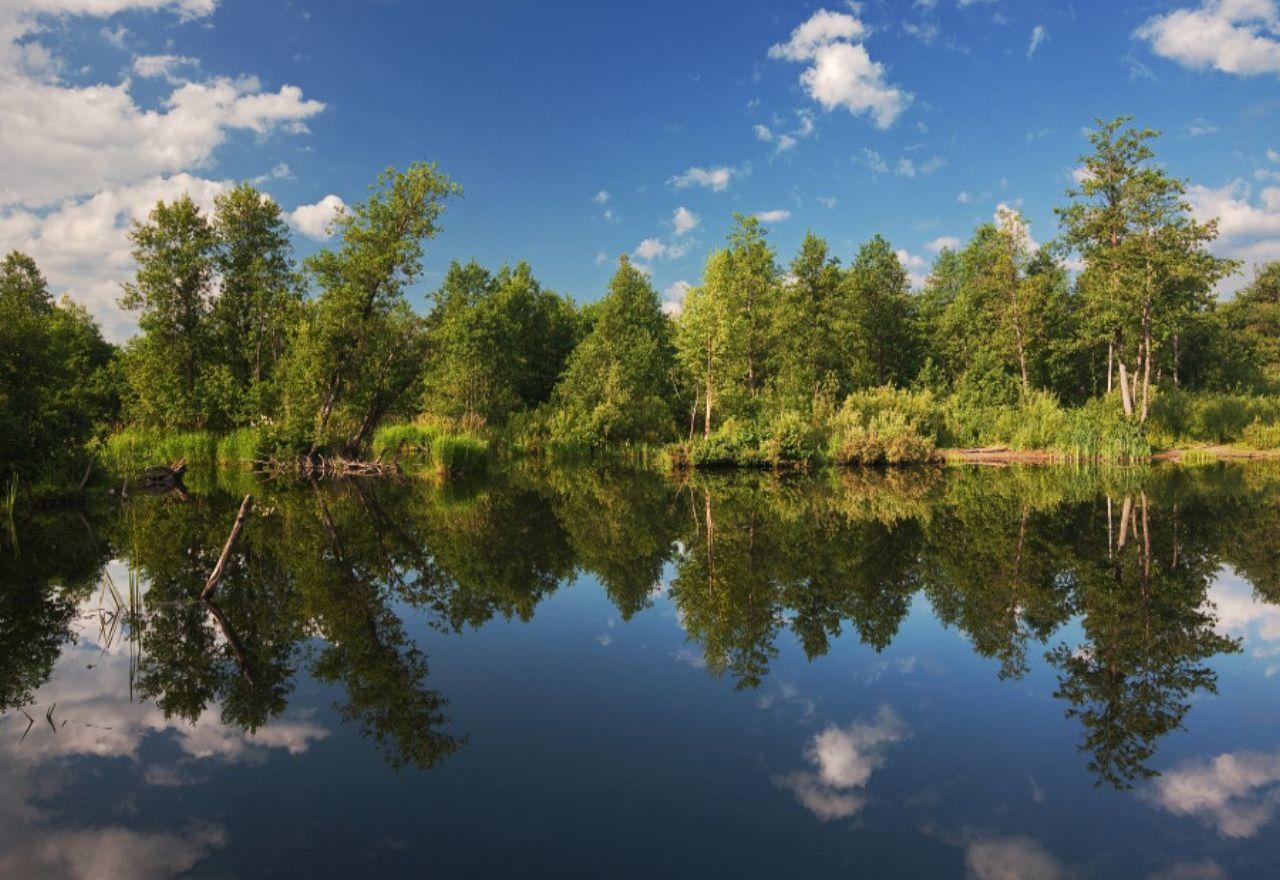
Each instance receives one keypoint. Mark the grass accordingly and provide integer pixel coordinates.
(134, 449)
(425, 447)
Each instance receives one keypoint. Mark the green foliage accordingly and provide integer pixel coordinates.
(1261, 435)
(127, 453)
(617, 383)
(863, 435)
(428, 447)
(1180, 417)
(57, 381)
(357, 354)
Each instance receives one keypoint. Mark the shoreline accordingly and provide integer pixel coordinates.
(1001, 455)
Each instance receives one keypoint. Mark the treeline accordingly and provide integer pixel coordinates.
(766, 361)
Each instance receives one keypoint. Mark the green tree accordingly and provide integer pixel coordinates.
(260, 293)
(1147, 268)
(880, 315)
(1254, 316)
(339, 373)
(808, 347)
(172, 291)
(617, 384)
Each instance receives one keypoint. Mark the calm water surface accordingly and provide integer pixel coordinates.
(984, 673)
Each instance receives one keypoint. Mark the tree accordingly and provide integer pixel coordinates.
(349, 334)
(171, 291)
(728, 324)
(260, 293)
(808, 350)
(1147, 267)
(57, 388)
(617, 383)
(1254, 316)
(880, 315)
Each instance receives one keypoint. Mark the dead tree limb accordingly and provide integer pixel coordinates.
(216, 576)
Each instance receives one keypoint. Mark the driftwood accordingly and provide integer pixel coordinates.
(319, 466)
(216, 576)
(164, 476)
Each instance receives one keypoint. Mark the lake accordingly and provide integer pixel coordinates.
(990, 673)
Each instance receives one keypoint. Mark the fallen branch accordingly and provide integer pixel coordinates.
(216, 576)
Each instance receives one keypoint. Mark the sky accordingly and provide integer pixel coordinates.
(581, 131)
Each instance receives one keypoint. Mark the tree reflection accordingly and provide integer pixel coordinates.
(324, 577)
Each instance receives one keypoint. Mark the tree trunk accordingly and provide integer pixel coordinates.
(706, 421)
(1111, 357)
(1125, 399)
(1146, 366)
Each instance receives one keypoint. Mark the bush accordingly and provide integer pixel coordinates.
(1261, 435)
(888, 436)
(789, 439)
(426, 446)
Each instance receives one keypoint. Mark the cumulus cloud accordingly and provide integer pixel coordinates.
(650, 249)
(673, 297)
(684, 221)
(1011, 858)
(941, 243)
(842, 761)
(839, 71)
(917, 267)
(715, 179)
(1232, 36)
(148, 66)
(86, 160)
(778, 215)
(314, 221)
(1235, 793)
(1248, 228)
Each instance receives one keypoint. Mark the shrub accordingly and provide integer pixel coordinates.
(1261, 435)
(790, 438)
(888, 436)
(456, 454)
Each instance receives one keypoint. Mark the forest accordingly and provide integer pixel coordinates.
(1108, 343)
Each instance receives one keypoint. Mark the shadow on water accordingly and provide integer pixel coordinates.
(324, 577)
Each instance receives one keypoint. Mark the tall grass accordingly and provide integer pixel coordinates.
(428, 447)
(134, 449)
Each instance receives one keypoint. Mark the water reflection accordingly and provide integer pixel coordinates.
(1129, 583)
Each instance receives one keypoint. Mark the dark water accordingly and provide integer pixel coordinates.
(974, 673)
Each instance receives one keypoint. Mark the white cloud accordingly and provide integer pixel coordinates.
(1233, 36)
(314, 221)
(963, 197)
(650, 249)
(1038, 36)
(148, 66)
(81, 245)
(279, 171)
(1011, 858)
(839, 71)
(905, 168)
(826, 201)
(873, 161)
(843, 760)
(673, 297)
(916, 266)
(1200, 128)
(941, 243)
(1273, 156)
(778, 215)
(715, 179)
(1247, 230)
(87, 160)
(601, 258)
(601, 198)
(1236, 793)
(684, 220)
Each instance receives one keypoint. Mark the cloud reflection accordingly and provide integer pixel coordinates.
(843, 759)
(1236, 793)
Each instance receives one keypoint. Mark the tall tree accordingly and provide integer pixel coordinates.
(1147, 264)
(617, 385)
(171, 291)
(362, 286)
(880, 315)
(807, 347)
(260, 293)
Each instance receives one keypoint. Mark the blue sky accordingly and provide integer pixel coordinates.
(913, 120)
